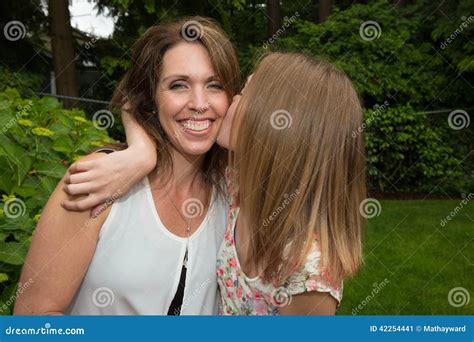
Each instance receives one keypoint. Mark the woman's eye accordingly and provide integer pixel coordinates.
(216, 86)
(177, 86)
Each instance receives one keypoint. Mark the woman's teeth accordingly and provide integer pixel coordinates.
(196, 125)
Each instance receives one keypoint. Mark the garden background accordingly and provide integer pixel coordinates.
(412, 63)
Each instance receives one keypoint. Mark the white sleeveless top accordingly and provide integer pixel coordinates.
(137, 263)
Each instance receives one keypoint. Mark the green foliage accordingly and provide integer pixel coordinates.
(384, 67)
(38, 140)
(406, 153)
(23, 81)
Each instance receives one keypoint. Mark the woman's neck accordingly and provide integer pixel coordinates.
(185, 174)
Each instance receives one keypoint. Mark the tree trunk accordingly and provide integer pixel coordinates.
(325, 9)
(273, 14)
(400, 3)
(62, 45)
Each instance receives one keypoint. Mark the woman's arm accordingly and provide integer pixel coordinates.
(310, 303)
(63, 245)
(114, 175)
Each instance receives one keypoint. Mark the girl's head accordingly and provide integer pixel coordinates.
(179, 85)
(299, 170)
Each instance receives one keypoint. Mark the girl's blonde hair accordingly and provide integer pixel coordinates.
(299, 166)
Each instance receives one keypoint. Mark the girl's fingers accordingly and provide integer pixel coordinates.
(82, 166)
(98, 209)
(82, 204)
(79, 189)
(76, 178)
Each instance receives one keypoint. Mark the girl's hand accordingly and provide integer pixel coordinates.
(105, 179)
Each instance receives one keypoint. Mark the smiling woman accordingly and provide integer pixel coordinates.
(154, 250)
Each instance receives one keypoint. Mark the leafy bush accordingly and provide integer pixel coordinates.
(384, 67)
(24, 81)
(406, 153)
(38, 140)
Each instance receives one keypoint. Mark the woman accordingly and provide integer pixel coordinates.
(163, 235)
(294, 229)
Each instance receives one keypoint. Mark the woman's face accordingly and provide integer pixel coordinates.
(191, 99)
(223, 138)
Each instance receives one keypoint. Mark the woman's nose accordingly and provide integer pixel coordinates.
(198, 102)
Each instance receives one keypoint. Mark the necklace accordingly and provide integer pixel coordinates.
(187, 230)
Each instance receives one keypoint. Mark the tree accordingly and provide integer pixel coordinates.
(273, 14)
(325, 9)
(62, 45)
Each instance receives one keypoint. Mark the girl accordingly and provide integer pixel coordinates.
(154, 251)
(296, 179)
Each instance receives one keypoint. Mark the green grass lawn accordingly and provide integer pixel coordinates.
(412, 261)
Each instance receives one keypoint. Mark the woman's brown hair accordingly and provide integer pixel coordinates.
(139, 85)
(300, 172)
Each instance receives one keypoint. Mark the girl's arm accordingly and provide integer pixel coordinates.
(310, 303)
(110, 177)
(62, 248)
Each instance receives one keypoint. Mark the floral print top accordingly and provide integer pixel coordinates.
(241, 295)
